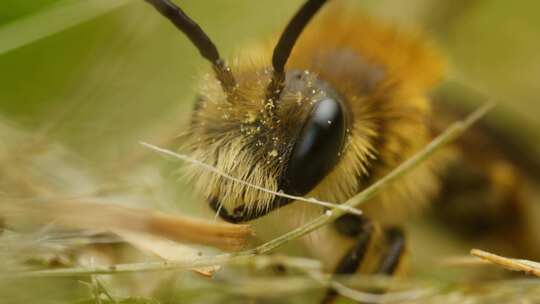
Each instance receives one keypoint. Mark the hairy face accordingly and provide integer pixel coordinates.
(270, 144)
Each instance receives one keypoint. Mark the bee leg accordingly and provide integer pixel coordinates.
(350, 262)
(364, 230)
(391, 256)
(394, 251)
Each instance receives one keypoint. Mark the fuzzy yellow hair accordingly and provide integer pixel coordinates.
(383, 76)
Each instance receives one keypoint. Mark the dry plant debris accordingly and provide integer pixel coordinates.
(526, 266)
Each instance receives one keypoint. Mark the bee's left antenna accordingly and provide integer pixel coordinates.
(199, 38)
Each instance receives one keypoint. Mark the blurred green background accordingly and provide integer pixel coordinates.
(100, 75)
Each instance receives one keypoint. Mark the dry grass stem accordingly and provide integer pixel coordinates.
(120, 219)
(237, 180)
(526, 266)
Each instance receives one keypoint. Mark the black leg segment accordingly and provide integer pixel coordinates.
(390, 256)
(350, 262)
(394, 252)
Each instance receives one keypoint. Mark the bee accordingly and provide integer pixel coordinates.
(336, 103)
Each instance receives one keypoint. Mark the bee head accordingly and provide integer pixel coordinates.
(286, 144)
(328, 131)
(275, 129)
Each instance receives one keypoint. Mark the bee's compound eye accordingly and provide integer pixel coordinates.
(317, 147)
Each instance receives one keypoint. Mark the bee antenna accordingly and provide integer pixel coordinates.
(286, 42)
(198, 37)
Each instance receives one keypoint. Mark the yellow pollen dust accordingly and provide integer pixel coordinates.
(251, 117)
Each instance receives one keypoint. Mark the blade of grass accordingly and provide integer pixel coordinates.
(59, 17)
(451, 133)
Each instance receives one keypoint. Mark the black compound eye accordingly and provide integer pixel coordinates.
(317, 147)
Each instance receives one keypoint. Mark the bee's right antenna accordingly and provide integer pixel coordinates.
(286, 42)
(199, 38)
